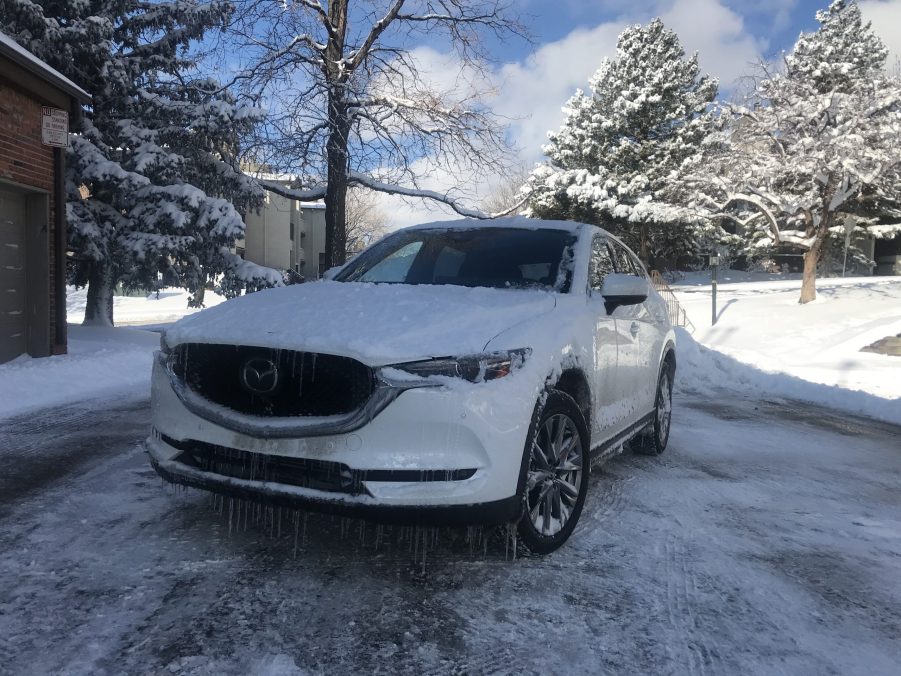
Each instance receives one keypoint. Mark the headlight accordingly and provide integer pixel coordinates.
(475, 368)
(164, 346)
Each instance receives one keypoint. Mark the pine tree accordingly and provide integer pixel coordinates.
(817, 144)
(616, 160)
(841, 53)
(155, 153)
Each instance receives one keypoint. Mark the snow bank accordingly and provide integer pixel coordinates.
(766, 344)
(704, 371)
(761, 323)
(102, 362)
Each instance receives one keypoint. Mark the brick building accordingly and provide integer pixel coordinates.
(35, 102)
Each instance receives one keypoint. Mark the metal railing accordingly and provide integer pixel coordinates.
(677, 314)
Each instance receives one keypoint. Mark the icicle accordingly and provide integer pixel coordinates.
(231, 509)
(424, 538)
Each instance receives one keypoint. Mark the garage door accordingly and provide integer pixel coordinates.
(12, 275)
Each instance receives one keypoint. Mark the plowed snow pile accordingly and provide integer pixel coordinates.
(765, 343)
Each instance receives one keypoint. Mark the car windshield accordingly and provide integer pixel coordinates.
(492, 257)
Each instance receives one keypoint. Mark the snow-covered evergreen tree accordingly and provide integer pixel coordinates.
(152, 176)
(817, 143)
(616, 160)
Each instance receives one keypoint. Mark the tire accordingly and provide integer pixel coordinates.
(554, 477)
(654, 440)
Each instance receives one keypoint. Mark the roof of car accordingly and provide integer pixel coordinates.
(521, 222)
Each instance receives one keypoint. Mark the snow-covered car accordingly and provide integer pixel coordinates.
(463, 372)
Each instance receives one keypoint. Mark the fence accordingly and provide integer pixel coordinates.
(677, 314)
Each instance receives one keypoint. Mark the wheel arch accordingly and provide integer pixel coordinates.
(573, 381)
(669, 356)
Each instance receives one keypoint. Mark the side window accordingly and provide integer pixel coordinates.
(639, 268)
(395, 267)
(601, 263)
(447, 264)
(622, 260)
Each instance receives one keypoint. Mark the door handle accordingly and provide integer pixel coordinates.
(634, 329)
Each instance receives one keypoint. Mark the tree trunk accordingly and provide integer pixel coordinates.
(809, 280)
(643, 244)
(336, 190)
(198, 295)
(99, 310)
(336, 147)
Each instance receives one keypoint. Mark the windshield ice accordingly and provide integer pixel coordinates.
(490, 257)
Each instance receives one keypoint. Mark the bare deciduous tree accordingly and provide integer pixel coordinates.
(366, 222)
(351, 101)
(510, 193)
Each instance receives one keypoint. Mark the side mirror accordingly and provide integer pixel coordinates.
(619, 289)
(331, 272)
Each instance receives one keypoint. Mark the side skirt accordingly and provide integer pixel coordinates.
(614, 446)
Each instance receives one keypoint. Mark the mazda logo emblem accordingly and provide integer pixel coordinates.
(259, 375)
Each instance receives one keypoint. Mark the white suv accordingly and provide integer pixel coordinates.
(463, 372)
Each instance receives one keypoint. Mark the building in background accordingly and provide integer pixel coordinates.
(285, 234)
(36, 104)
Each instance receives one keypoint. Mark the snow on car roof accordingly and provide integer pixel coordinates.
(506, 222)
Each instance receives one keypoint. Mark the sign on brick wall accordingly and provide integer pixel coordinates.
(54, 127)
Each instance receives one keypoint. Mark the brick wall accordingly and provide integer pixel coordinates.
(26, 161)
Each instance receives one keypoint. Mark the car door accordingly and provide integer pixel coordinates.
(651, 336)
(608, 409)
(637, 331)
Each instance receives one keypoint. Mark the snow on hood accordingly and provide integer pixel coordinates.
(377, 324)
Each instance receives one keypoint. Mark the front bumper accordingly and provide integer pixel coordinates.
(469, 433)
(496, 512)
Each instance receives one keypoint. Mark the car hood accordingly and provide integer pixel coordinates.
(377, 324)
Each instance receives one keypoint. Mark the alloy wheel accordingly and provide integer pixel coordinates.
(664, 407)
(555, 475)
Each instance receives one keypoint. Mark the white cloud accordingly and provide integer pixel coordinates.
(886, 18)
(719, 35)
(532, 92)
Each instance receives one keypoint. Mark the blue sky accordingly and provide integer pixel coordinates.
(778, 22)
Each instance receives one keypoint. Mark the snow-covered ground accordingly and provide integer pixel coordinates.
(167, 306)
(765, 540)
(765, 343)
(101, 363)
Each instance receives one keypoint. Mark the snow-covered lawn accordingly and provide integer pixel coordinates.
(167, 306)
(765, 343)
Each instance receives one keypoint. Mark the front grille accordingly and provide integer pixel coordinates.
(268, 382)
